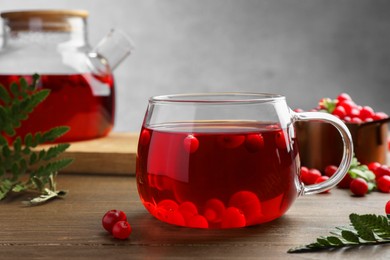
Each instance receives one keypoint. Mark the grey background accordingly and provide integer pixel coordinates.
(303, 49)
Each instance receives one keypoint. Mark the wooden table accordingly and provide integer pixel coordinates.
(71, 227)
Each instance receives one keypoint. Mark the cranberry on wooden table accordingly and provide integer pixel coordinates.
(111, 217)
(359, 187)
(121, 230)
(115, 222)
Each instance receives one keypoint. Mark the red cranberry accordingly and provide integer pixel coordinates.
(197, 221)
(280, 140)
(233, 218)
(322, 179)
(191, 143)
(121, 230)
(380, 115)
(345, 182)
(111, 217)
(309, 176)
(254, 142)
(366, 112)
(144, 137)
(214, 210)
(387, 208)
(372, 166)
(359, 187)
(383, 184)
(188, 210)
(343, 96)
(330, 170)
(381, 171)
(248, 203)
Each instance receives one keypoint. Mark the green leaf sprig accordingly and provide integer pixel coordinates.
(358, 170)
(368, 229)
(328, 105)
(24, 166)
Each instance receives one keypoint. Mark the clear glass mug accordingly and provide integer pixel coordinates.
(224, 160)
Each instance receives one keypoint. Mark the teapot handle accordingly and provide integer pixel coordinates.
(114, 47)
(347, 150)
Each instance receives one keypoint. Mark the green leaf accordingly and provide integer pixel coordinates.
(55, 151)
(54, 133)
(33, 158)
(37, 98)
(46, 196)
(350, 236)
(334, 240)
(323, 241)
(28, 140)
(3, 141)
(23, 84)
(14, 88)
(58, 165)
(47, 170)
(329, 104)
(5, 187)
(362, 173)
(37, 182)
(15, 169)
(17, 144)
(37, 139)
(6, 151)
(377, 225)
(366, 229)
(23, 166)
(4, 95)
(371, 186)
(19, 188)
(18, 158)
(41, 155)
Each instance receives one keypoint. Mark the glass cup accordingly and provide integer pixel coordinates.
(225, 160)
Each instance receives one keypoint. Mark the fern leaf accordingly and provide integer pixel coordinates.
(366, 229)
(16, 103)
(4, 95)
(54, 133)
(370, 225)
(54, 151)
(5, 187)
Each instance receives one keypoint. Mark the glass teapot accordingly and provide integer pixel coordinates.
(54, 44)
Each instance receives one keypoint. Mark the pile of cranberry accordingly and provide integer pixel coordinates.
(359, 186)
(347, 110)
(374, 176)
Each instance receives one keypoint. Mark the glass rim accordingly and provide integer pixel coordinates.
(217, 97)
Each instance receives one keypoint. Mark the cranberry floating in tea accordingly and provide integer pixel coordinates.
(54, 44)
(224, 160)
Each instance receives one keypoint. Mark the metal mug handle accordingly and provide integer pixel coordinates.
(347, 150)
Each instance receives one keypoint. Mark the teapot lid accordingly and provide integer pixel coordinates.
(48, 20)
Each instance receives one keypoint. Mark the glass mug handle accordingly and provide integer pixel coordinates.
(347, 150)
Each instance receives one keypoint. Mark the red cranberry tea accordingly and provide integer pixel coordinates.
(83, 102)
(216, 175)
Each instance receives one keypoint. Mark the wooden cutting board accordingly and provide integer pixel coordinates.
(114, 154)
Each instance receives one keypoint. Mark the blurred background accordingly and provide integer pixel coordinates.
(303, 49)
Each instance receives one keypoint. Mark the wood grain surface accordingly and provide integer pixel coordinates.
(114, 154)
(70, 228)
